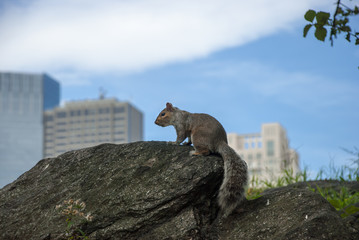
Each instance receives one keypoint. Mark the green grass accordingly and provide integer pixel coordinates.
(342, 200)
(256, 186)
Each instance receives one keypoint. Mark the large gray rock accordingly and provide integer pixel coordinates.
(155, 190)
(287, 213)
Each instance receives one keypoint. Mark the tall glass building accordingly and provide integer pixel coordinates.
(23, 100)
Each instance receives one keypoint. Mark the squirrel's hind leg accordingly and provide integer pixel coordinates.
(200, 151)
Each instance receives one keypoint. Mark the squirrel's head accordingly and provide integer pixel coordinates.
(164, 119)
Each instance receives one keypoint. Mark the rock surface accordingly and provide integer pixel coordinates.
(155, 190)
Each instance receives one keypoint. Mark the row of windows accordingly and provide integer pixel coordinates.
(12, 83)
(61, 144)
(88, 129)
(84, 121)
(49, 129)
(87, 122)
(269, 145)
(248, 145)
(83, 135)
(50, 118)
(258, 156)
(119, 139)
(87, 112)
(14, 105)
(91, 127)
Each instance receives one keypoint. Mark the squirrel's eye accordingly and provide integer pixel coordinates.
(163, 114)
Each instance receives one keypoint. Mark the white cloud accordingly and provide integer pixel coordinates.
(111, 35)
(71, 78)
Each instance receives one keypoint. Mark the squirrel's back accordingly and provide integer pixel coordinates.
(207, 130)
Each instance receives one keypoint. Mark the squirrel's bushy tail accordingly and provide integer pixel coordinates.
(231, 192)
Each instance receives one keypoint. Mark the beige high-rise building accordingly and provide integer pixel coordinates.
(267, 153)
(81, 124)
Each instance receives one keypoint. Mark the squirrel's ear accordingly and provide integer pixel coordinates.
(169, 107)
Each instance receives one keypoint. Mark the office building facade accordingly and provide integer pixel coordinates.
(23, 99)
(267, 153)
(81, 124)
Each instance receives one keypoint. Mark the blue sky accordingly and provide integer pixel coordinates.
(246, 63)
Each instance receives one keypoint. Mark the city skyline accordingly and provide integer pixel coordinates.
(245, 63)
(33, 126)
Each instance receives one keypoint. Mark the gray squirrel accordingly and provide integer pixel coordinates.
(208, 136)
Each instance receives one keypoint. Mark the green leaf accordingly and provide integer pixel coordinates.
(322, 18)
(349, 211)
(320, 33)
(306, 29)
(348, 37)
(356, 10)
(310, 15)
(69, 224)
(335, 203)
(340, 10)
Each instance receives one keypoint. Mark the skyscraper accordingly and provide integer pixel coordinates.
(23, 99)
(87, 123)
(267, 153)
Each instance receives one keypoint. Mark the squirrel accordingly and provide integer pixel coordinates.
(208, 136)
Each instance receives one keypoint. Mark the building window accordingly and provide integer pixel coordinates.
(250, 157)
(259, 144)
(119, 118)
(61, 114)
(246, 145)
(49, 118)
(270, 148)
(259, 156)
(88, 112)
(103, 110)
(253, 145)
(119, 109)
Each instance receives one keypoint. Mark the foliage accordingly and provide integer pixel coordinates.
(74, 213)
(338, 24)
(342, 200)
(258, 186)
(342, 173)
